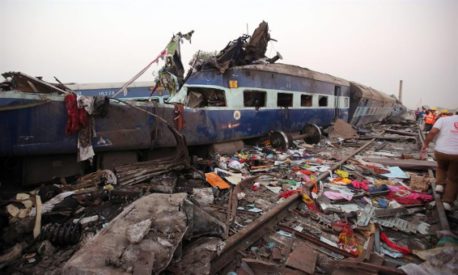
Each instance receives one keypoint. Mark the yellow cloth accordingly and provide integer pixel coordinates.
(342, 173)
(344, 181)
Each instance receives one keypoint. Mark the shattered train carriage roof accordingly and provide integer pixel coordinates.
(294, 70)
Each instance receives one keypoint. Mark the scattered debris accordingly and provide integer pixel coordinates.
(345, 200)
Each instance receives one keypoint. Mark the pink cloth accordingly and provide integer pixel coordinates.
(404, 195)
(360, 185)
(337, 195)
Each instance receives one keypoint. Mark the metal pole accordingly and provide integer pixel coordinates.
(400, 91)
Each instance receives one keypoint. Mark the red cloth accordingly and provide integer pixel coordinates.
(178, 114)
(405, 196)
(76, 118)
(390, 243)
(360, 185)
(306, 172)
(287, 194)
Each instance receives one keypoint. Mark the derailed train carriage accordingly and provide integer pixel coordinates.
(242, 103)
(231, 101)
(249, 101)
(369, 105)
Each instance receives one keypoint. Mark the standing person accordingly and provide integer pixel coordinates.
(446, 155)
(420, 116)
(417, 114)
(429, 120)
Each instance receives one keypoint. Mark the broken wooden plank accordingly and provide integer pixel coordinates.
(392, 138)
(401, 132)
(261, 267)
(405, 163)
(359, 267)
(302, 258)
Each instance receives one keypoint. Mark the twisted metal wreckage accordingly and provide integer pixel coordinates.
(237, 95)
(280, 207)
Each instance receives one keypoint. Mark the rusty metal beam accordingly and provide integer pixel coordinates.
(401, 132)
(366, 267)
(315, 240)
(404, 163)
(337, 165)
(254, 231)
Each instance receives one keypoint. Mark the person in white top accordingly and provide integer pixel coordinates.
(446, 155)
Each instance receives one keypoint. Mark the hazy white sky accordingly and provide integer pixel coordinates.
(376, 43)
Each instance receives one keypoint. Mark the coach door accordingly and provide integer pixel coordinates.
(284, 102)
(337, 95)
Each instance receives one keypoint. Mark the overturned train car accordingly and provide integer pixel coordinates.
(369, 105)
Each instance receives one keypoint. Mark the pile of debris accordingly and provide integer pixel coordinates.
(352, 202)
(244, 50)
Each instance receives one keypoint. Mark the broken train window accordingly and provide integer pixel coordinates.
(205, 97)
(284, 100)
(323, 101)
(254, 98)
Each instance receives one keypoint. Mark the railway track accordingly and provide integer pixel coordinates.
(256, 230)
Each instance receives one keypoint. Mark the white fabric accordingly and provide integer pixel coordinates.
(86, 102)
(447, 139)
(439, 188)
(85, 153)
(447, 206)
(49, 205)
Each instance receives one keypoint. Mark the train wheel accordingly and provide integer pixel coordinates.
(312, 134)
(280, 140)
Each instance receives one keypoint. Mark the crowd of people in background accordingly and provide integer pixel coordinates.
(427, 117)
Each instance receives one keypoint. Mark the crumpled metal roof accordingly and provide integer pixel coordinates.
(30, 84)
(368, 92)
(296, 71)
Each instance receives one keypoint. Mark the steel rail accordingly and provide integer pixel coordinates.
(254, 231)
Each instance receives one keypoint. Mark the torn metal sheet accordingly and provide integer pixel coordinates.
(197, 256)
(111, 244)
(303, 258)
(365, 216)
(173, 217)
(403, 225)
(29, 84)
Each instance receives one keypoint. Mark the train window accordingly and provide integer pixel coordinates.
(254, 99)
(306, 100)
(323, 101)
(346, 102)
(284, 100)
(205, 97)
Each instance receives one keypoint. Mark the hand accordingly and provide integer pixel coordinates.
(424, 148)
(423, 152)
